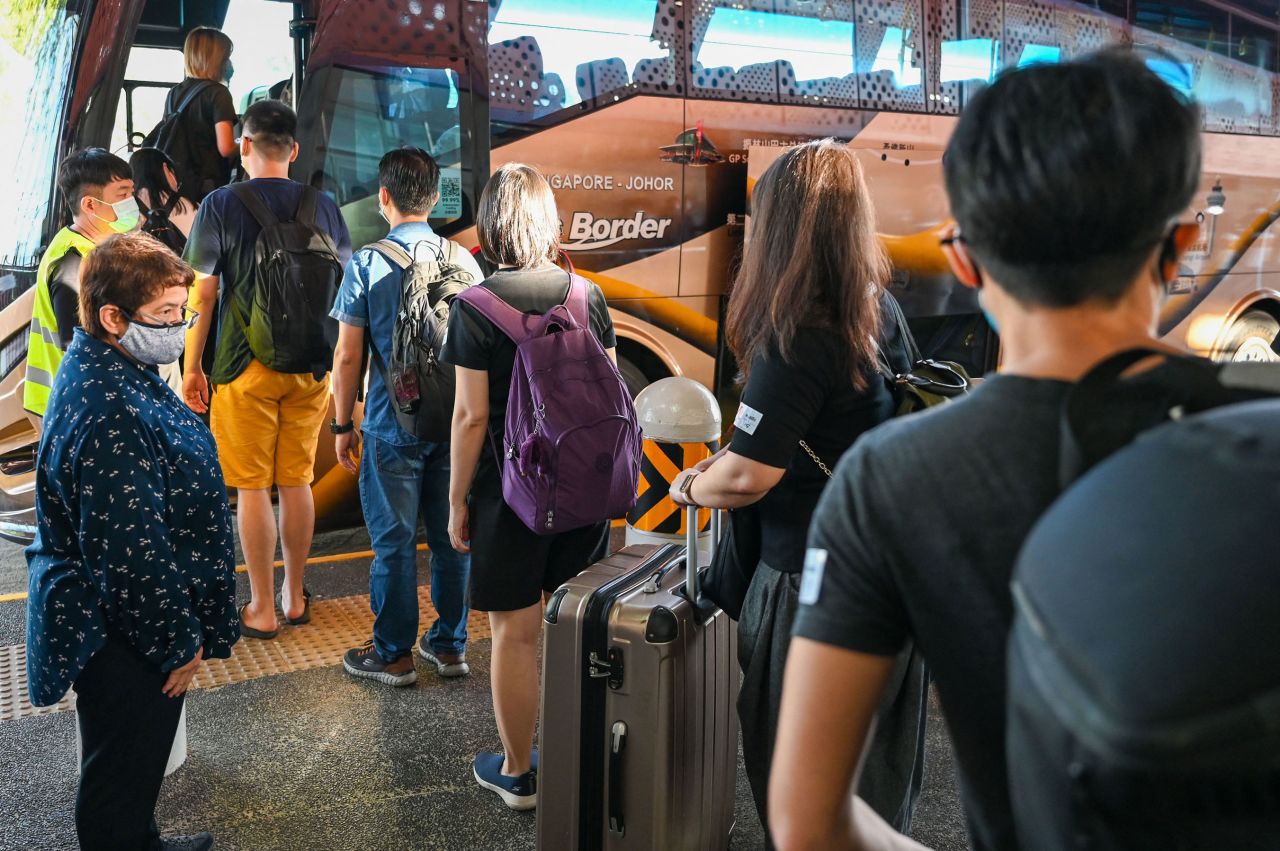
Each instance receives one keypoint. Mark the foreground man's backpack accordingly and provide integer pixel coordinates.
(296, 277)
(421, 386)
(1144, 660)
(571, 453)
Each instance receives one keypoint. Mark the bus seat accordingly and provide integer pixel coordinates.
(601, 76)
(765, 78)
(655, 73)
(722, 78)
(515, 75)
(842, 90)
(552, 95)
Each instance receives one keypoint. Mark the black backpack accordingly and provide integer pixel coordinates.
(1143, 686)
(296, 278)
(156, 223)
(420, 384)
(171, 136)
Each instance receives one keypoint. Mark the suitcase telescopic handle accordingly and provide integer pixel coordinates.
(691, 578)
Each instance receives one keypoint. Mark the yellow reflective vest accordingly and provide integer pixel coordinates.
(44, 352)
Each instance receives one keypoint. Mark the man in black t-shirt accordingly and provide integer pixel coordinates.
(266, 423)
(917, 535)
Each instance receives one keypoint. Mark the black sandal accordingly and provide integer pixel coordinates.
(249, 632)
(301, 619)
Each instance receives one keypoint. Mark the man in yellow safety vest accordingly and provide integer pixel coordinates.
(98, 188)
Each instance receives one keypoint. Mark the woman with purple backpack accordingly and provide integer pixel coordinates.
(512, 567)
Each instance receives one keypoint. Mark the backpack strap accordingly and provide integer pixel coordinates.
(507, 319)
(1101, 414)
(393, 252)
(577, 300)
(256, 208)
(190, 97)
(306, 214)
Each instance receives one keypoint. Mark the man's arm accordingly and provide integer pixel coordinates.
(829, 700)
(348, 357)
(203, 299)
(64, 294)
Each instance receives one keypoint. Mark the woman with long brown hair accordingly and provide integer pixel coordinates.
(805, 322)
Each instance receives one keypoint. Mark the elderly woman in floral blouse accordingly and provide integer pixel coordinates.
(132, 571)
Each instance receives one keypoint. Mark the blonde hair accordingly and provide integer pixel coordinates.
(813, 259)
(205, 54)
(517, 223)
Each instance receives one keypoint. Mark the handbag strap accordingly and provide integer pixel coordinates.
(814, 455)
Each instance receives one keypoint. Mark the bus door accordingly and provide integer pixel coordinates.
(266, 35)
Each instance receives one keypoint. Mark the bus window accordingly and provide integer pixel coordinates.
(376, 110)
(149, 75)
(35, 65)
(545, 55)
(262, 58)
(775, 51)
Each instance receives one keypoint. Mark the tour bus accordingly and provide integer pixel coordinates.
(651, 118)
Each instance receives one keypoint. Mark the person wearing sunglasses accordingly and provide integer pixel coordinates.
(132, 572)
(97, 187)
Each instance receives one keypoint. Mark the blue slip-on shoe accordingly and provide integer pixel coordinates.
(518, 793)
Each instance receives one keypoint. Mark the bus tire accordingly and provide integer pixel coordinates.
(1250, 338)
(633, 375)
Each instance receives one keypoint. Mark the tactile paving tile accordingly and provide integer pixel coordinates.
(13, 687)
(336, 626)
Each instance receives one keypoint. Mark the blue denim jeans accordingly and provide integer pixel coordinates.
(399, 484)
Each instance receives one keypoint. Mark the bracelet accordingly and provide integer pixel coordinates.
(686, 490)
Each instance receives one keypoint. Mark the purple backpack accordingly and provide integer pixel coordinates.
(571, 455)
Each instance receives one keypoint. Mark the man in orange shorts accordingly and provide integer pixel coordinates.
(270, 390)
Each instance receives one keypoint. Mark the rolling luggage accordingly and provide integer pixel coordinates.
(639, 740)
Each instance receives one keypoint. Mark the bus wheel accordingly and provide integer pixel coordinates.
(18, 496)
(633, 375)
(1250, 338)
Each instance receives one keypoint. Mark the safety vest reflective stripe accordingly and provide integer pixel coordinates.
(44, 351)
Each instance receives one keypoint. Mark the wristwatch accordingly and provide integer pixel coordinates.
(341, 429)
(685, 490)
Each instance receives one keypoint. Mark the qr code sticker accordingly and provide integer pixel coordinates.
(450, 204)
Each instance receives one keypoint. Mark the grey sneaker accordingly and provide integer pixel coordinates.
(194, 842)
(445, 664)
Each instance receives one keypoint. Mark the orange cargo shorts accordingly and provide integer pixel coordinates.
(267, 426)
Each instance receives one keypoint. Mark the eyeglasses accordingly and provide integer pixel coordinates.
(188, 319)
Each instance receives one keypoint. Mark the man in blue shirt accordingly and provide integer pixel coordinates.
(401, 477)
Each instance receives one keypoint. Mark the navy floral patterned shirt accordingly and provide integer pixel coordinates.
(133, 531)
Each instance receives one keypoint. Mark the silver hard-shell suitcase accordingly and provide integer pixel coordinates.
(639, 733)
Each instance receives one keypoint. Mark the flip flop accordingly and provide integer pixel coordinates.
(249, 632)
(301, 619)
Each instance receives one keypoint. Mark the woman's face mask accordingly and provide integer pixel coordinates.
(154, 343)
(127, 214)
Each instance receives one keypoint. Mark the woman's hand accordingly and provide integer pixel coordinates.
(459, 527)
(195, 390)
(180, 678)
(679, 492)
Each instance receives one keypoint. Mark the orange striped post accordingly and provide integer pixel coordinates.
(680, 420)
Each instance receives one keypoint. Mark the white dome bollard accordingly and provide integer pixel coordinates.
(680, 420)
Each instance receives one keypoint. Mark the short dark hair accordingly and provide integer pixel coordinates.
(127, 270)
(411, 177)
(88, 171)
(1064, 178)
(271, 126)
